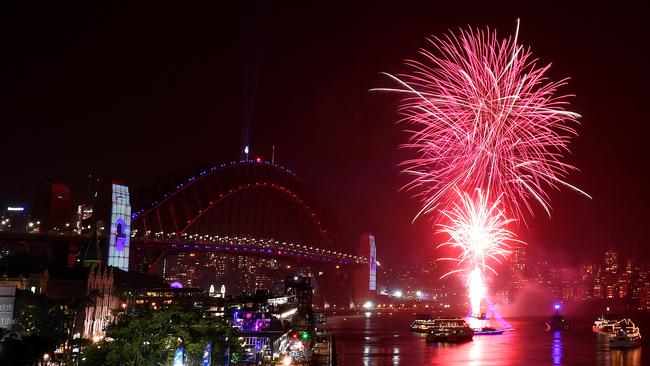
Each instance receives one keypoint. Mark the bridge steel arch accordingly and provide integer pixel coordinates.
(254, 200)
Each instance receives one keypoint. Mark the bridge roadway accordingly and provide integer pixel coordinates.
(162, 245)
(247, 246)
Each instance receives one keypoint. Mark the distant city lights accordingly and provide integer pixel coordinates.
(19, 209)
(397, 293)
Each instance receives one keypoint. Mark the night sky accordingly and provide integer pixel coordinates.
(135, 91)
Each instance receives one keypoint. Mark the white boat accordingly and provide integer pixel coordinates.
(603, 324)
(422, 323)
(624, 335)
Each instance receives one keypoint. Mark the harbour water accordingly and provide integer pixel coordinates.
(378, 340)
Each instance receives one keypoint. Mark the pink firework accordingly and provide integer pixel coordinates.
(477, 230)
(484, 115)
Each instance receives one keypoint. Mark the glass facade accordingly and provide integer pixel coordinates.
(120, 234)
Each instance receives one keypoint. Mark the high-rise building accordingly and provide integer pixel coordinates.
(642, 280)
(611, 262)
(611, 270)
(518, 257)
(586, 286)
(52, 207)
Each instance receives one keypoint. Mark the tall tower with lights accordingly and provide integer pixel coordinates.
(366, 278)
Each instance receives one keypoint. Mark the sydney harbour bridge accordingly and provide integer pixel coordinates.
(244, 208)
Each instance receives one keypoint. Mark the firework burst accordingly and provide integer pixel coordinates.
(477, 231)
(484, 118)
(483, 114)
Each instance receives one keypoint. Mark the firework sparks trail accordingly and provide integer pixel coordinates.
(477, 229)
(476, 290)
(483, 114)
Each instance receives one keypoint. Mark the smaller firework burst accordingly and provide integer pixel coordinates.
(478, 229)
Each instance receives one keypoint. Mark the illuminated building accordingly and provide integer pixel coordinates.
(611, 270)
(245, 273)
(120, 227)
(611, 262)
(625, 277)
(366, 277)
(84, 212)
(161, 298)
(518, 271)
(567, 279)
(599, 290)
(518, 257)
(586, 286)
(642, 280)
(111, 220)
(99, 314)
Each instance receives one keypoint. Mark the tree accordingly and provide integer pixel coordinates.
(152, 337)
(39, 327)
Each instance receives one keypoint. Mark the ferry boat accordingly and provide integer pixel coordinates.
(450, 330)
(625, 335)
(604, 324)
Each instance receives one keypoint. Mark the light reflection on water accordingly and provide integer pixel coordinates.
(557, 348)
(381, 340)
